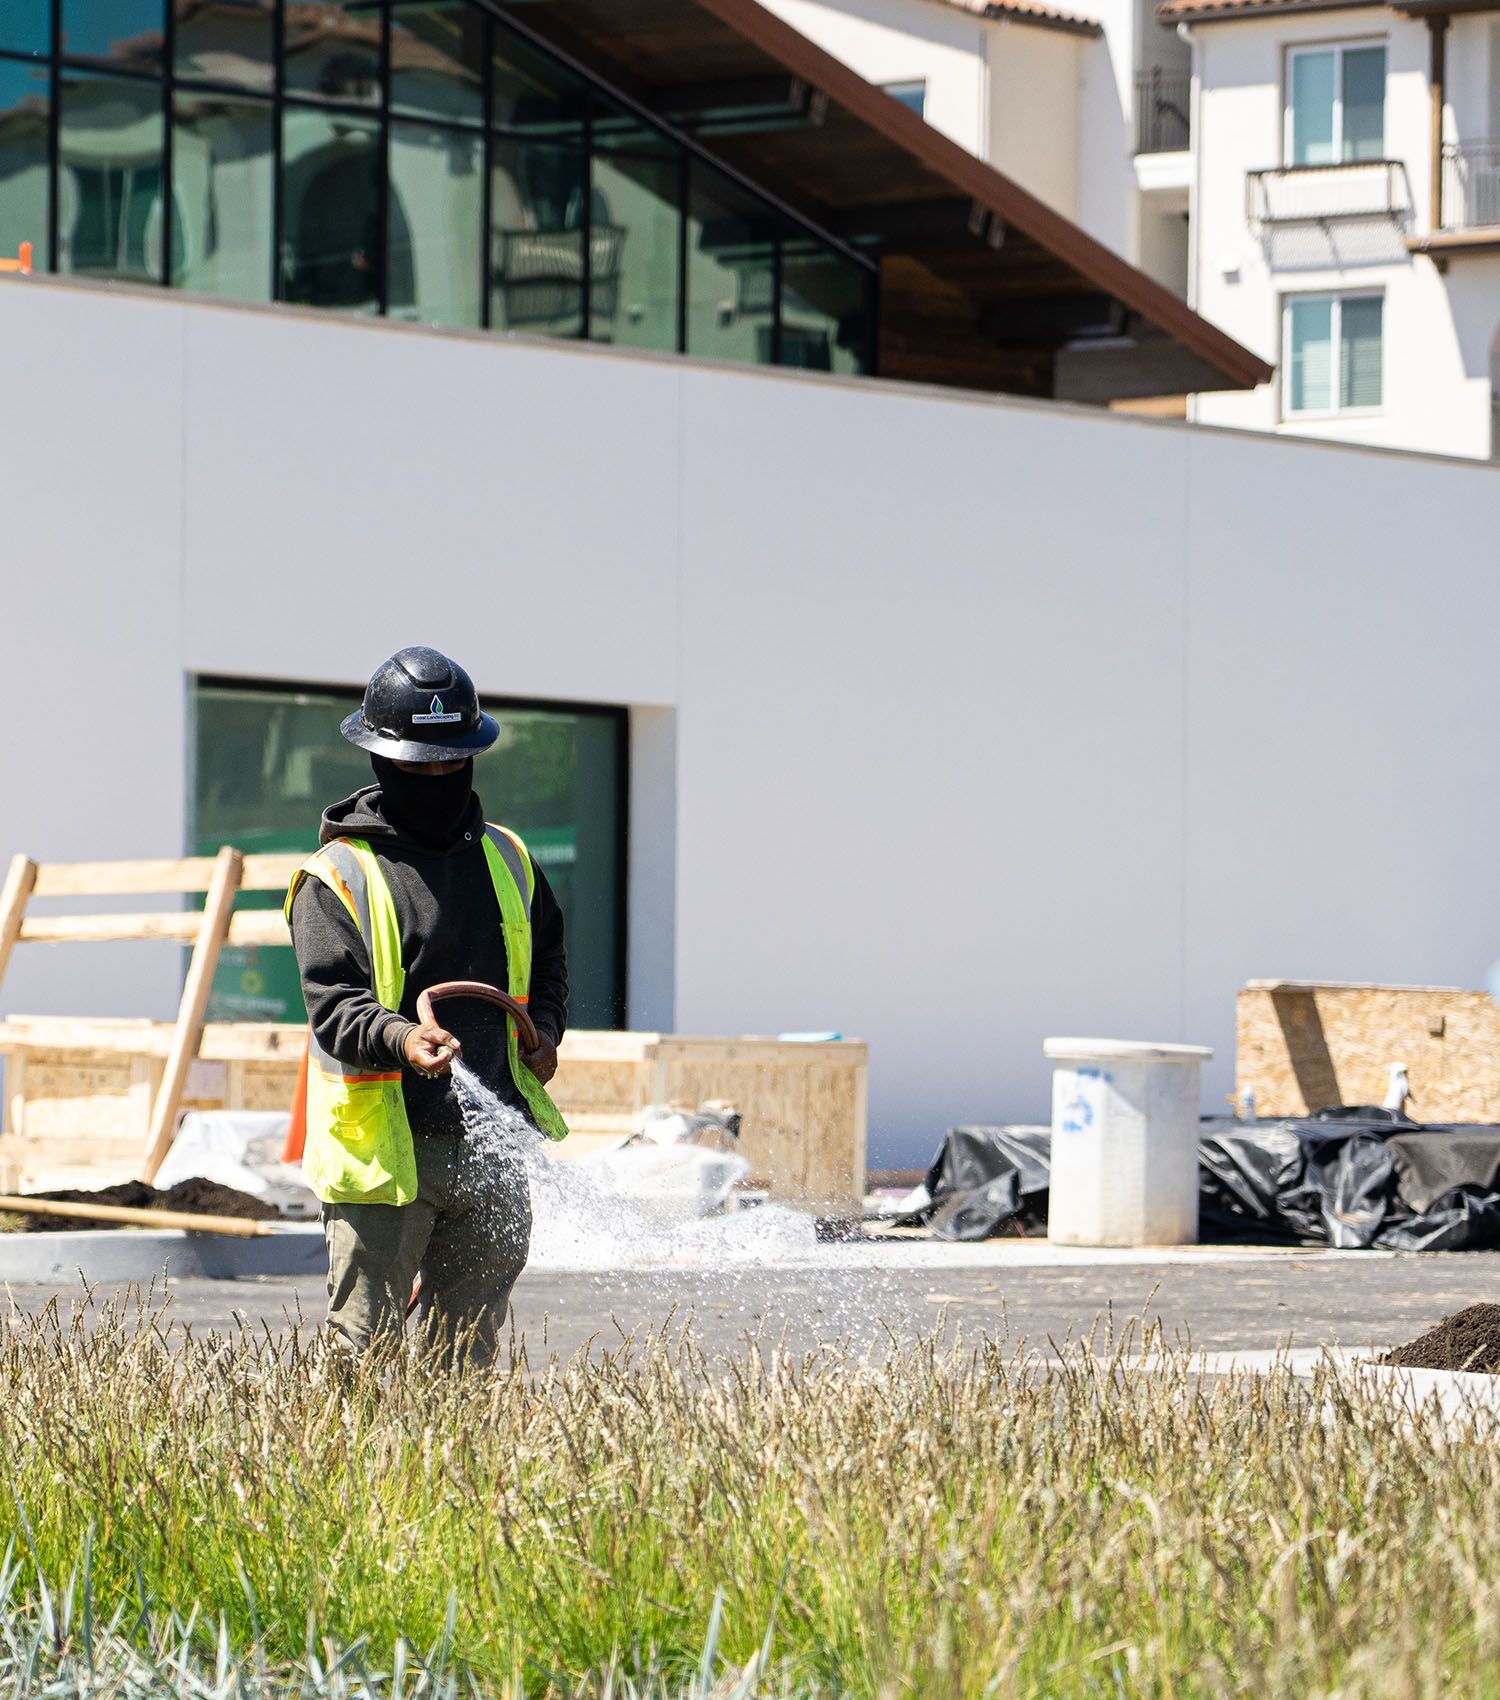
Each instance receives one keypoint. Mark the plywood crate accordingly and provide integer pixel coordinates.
(1304, 1045)
(79, 1097)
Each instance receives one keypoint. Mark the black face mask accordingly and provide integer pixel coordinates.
(429, 807)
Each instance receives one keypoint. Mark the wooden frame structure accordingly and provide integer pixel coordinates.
(218, 879)
(90, 1101)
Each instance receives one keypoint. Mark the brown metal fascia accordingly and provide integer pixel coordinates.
(991, 189)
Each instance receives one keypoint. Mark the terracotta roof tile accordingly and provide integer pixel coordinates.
(1030, 12)
(1207, 11)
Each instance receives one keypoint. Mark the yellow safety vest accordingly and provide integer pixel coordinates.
(359, 1142)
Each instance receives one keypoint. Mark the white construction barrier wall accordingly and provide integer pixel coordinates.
(958, 722)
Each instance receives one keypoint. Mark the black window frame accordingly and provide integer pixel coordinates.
(278, 98)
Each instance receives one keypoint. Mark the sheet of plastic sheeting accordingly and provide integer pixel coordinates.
(984, 1179)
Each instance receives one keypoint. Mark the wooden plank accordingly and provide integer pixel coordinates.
(271, 873)
(15, 1096)
(21, 1034)
(120, 879)
(238, 1227)
(259, 926)
(181, 925)
(216, 916)
(20, 881)
(248, 926)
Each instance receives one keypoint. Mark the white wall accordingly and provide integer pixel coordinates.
(1437, 328)
(905, 41)
(1036, 83)
(985, 720)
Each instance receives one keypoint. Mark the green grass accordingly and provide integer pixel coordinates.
(942, 1522)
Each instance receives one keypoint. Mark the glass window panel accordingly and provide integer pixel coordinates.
(1311, 355)
(531, 93)
(913, 96)
(731, 270)
(227, 41)
(222, 182)
(437, 59)
(23, 159)
(109, 180)
(127, 34)
(536, 237)
(633, 280)
(1364, 103)
(1313, 82)
(825, 308)
(333, 50)
(267, 762)
(331, 234)
(436, 219)
(26, 26)
(1361, 321)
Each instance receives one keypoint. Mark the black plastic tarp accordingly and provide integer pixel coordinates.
(1350, 1178)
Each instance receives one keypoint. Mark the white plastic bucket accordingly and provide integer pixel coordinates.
(1124, 1142)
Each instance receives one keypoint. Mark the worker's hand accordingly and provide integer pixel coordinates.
(543, 1060)
(431, 1049)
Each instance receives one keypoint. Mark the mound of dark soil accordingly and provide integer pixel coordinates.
(202, 1198)
(1469, 1339)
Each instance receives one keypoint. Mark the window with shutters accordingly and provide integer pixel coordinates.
(1333, 355)
(1335, 104)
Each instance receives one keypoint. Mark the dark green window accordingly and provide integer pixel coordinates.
(423, 159)
(732, 241)
(24, 194)
(266, 762)
(26, 26)
(110, 215)
(228, 41)
(224, 180)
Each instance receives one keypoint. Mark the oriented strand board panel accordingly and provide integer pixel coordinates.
(1304, 1046)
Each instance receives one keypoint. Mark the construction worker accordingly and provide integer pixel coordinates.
(412, 887)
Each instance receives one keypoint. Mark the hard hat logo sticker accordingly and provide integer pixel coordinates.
(435, 716)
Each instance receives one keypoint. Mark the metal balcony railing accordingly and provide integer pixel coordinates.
(1163, 100)
(1324, 194)
(1471, 186)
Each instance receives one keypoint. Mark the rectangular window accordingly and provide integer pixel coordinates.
(435, 216)
(230, 41)
(636, 205)
(24, 104)
(913, 95)
(732, 270)
(1335, 105)
(26, 26)
(267, 762)
(332, 248)
(222, 190)
(126, 35)
(109, 178)
(1334, 355)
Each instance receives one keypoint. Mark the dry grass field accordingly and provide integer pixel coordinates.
(236, 1516)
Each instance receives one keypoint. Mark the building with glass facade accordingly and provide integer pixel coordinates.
(559, 335)
(421, 159)
(451, 162)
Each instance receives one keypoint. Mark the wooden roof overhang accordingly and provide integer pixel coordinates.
(982, 285)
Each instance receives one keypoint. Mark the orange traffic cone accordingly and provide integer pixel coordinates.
(296, 1133)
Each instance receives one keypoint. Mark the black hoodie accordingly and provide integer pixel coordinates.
(450, 930)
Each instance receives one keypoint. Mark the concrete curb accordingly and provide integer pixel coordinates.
(291, 1248)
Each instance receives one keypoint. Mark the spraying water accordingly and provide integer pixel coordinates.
(587, 1216)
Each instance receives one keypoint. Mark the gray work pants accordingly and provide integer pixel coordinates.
(467, 1233)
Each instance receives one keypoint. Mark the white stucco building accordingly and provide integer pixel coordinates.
(1346, 223)
(1086, 106)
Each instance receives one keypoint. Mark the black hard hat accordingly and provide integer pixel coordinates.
(420, 706)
